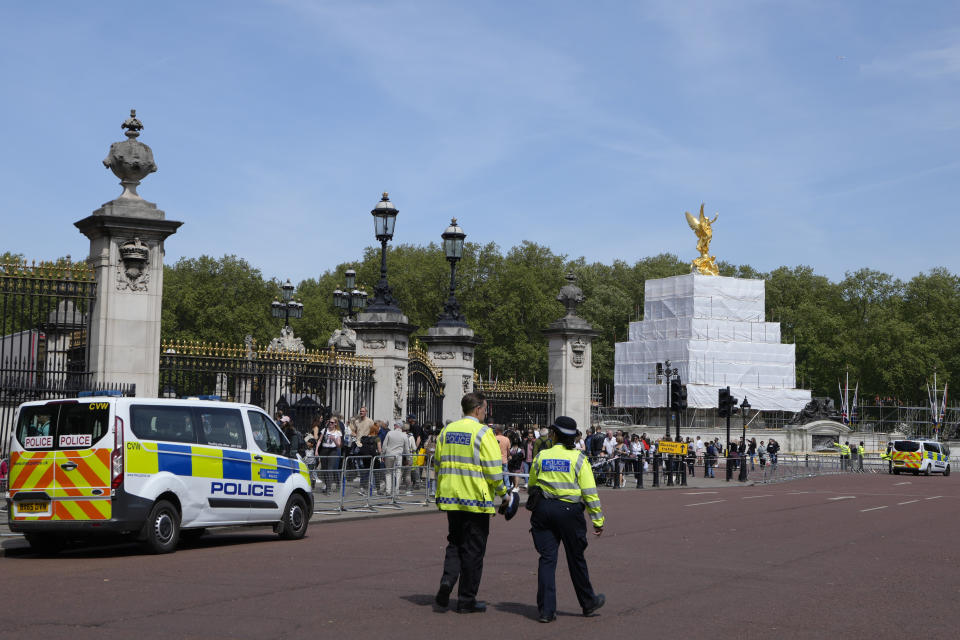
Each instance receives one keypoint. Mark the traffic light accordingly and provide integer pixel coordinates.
(683, 398)
(725, 403)
(675, 393)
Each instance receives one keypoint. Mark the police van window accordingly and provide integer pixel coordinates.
(946, 449)
(906, 446)
(266, 434)
(162, 422)
(62, 426)
(222, 427)
(931, 446)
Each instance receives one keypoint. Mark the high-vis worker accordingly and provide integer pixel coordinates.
(468, 464)
(565, 478)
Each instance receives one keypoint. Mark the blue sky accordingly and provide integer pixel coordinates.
(824, 133)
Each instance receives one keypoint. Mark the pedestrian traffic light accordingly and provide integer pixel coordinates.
(676, 397)
(683, 398)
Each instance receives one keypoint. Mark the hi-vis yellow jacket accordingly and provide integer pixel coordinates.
(844, 449)
(469, 467)
(566, 475)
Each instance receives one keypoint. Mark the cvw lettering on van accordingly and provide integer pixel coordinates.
(97, 406)
(237, 489)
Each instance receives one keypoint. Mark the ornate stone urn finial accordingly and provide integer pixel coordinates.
(571, 295)
(130, 160)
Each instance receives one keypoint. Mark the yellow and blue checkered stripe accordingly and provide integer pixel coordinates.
(200, 461)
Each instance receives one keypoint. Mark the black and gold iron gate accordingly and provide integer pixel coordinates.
(425, 388)
(44, 309)
(304, 386)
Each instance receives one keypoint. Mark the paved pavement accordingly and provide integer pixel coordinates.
(839, 557)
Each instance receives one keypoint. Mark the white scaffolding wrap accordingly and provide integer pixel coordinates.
(711, 329)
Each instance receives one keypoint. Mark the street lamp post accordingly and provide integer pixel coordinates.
(744, 409)
(453, 239)
(352, 300)
(289, 308)
(384, 220)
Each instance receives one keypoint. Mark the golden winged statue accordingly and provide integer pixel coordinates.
(703, 227)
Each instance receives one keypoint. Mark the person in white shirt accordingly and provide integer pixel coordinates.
(609, 444)
(698, 447)
(396, 445)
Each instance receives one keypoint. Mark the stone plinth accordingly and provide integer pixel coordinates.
(451, 350)
(570, 357)
(384, 337)
(124, 329)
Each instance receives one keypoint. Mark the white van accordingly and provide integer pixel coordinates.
(920, 456)
(155, 469)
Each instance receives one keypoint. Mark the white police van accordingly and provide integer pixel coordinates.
(155, 469)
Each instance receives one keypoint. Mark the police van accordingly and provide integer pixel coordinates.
(920, 456)
(157, 470)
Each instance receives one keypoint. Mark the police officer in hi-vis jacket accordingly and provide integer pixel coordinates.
(469, 470)
(564, 476)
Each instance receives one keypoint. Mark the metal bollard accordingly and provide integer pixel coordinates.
(683, 473)
(743, 470)
(670, 470)
(656, 470)
(729, 468)
(640, 463)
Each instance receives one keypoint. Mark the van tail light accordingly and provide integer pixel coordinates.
(116, 456)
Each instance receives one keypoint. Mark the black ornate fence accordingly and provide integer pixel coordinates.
(518, 404)
(43, 328)
(303, 385)
(425, 388)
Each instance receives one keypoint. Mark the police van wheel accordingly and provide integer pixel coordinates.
(896, 472)
(45, 543)
(163, 528)
(946, 471)
(294, 518)
(926, 471)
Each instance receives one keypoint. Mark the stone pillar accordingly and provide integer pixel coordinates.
(569, 352)
(126, 252)
(384, 337)
(450, 348)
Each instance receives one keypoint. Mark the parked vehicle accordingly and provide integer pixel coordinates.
(920, 456)
(152, 469)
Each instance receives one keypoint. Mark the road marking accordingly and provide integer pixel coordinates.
(933, 497)
(697, 504)
(698, 493)
(873, 508)
(766, 495)
(842, 498)
(897, 484)
(908, 502)
(794, 493)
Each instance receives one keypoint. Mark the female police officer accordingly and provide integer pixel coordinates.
(565, 478)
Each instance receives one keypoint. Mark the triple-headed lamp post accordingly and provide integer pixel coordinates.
(384, 220)
(289, 308)
(744, 409)
(352, 300)
(453, 239)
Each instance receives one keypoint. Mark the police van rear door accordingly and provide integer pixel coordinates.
(62, 468)
(270, 468)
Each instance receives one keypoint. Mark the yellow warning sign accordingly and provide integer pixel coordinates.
(665, 446)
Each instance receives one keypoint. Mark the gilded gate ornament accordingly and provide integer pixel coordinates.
(706, 264)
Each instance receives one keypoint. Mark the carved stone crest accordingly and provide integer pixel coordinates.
(577, 348)
(467, 356)
(287, 342)
(443, 355)
(467, 383)
(400, 345)
(400, 377)
(249, 352)
(374, 344)
(132, 270)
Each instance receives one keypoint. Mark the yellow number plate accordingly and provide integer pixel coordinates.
(32, 507)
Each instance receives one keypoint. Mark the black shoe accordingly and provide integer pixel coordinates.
(477, 606)
(592, 609)
(443, 594)
(547, 618)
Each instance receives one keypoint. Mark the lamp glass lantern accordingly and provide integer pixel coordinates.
(384, 218)
(287, 288)
(351, 279)
(453, 239)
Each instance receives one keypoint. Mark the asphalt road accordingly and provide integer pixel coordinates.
(834, 557)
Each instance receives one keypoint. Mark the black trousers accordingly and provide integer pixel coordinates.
(554, 522)
(466, 544)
